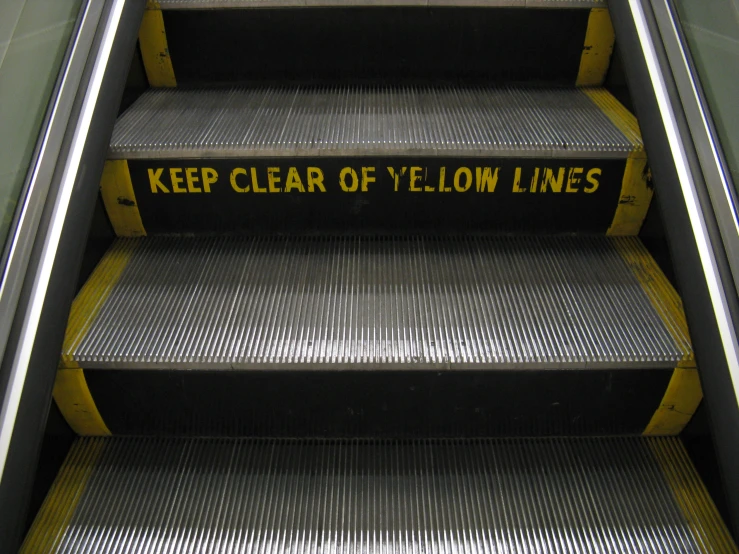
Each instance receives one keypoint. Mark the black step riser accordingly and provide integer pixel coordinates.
(371, 45)
(384, 194)
(377, 404)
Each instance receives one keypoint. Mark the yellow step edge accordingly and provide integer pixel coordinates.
(622, 118)
(597, 49)
(636, 190)
(93, 295)
(707, 527)
(659, 290)
(55, 515)
(154, 48)
(684, 393)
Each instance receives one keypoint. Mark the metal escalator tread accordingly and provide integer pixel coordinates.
(398, 302)
(216, 4)
(380, 120)
(415, 496)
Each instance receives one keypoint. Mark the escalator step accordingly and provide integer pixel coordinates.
(373, 303)
(383, 121)
(237, 318)
(245, 495)
(384, 158)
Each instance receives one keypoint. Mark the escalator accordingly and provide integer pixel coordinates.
(378, 284)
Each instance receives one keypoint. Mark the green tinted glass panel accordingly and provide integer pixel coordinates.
(34, 35)
(712, 31)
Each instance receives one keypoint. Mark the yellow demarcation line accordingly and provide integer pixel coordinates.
(597, 49)
(684, 392)
(47, 532)
(154, 49)
(636, 193)
(116, 189)
(660, 292)
(71, 392)
(91, 298)
(708, 529)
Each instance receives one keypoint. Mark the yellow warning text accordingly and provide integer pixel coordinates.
(365, 179)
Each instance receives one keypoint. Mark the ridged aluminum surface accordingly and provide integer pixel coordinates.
(218, 4)
(373, 303)
(344, 121)
(380, 497)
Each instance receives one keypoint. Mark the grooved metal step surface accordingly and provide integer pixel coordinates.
(424, 497)
(424, 302)
(347, 121)
(218, 4)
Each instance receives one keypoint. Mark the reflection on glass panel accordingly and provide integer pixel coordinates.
(33, 39)
(712, 31)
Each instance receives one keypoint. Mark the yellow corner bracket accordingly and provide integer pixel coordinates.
(73, 397)
(597, 49)
(154, 49)
(636, 196)
(681, 400)
(116, 189)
